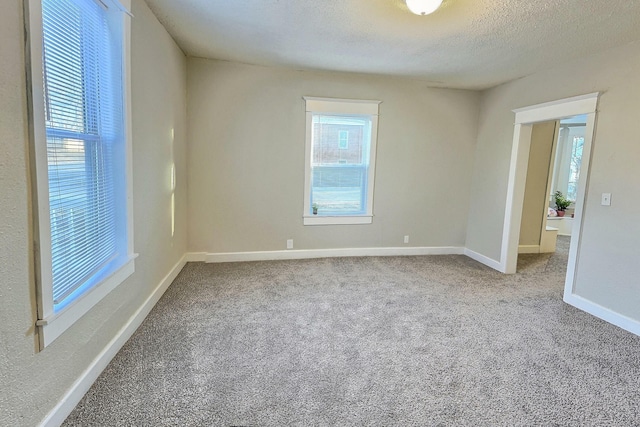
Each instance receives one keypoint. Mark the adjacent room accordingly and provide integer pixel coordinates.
(354, 212)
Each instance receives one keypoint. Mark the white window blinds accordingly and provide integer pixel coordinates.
(82, 68)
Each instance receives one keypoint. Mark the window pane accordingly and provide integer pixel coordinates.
(63, 69)
(574, 167)
(81, 200)
(83, 122)
(340, 162)
(339, 189)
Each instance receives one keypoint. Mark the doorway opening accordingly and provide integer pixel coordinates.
(526, 118)
(551, 186)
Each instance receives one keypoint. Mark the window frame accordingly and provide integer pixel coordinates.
(339, 106)
(50, 323)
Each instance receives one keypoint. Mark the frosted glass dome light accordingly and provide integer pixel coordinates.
(423, 7)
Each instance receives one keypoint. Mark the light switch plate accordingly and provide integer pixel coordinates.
(606, 199)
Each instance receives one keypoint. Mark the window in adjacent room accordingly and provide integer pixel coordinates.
(81, 156)
(340, 160)
(568, 160)
(574, 167)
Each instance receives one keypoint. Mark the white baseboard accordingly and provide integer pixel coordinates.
(484, 260)
(79, 388)
(529, 249)
(608, 315)
(322, 253)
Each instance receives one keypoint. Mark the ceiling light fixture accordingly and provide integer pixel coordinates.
(423, 7)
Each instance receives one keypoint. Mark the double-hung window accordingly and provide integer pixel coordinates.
(340, 161)
(81, 152)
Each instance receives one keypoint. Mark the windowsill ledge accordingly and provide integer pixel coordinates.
(53, 326)
(337, 220)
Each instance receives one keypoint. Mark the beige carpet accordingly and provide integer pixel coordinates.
(427, 341)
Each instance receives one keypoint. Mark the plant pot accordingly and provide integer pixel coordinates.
(560, 214)
(315, 211)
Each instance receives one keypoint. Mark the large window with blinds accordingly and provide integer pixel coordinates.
(340, 161)
(81, 154)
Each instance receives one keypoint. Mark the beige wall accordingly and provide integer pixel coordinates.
(32, 382)
(535, 192)
(246, 159)
(608, 261)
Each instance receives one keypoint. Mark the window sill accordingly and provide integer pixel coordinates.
(53, 326)
(337, 220)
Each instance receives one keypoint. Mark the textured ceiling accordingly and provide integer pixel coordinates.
(472, 44)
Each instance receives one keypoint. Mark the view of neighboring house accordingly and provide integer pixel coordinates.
(340, 153)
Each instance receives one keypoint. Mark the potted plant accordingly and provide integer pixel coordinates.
(315, 208)
(561, 203)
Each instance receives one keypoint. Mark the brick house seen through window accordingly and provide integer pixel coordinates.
(341, 147)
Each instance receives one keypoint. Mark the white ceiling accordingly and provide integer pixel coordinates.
(472, 44)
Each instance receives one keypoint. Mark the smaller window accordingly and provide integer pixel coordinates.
(568, 157)
(574, 167)
(343, 140)
(340, 161)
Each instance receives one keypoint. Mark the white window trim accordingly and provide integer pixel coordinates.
(339, 106)
(50, 324)
(338, 220)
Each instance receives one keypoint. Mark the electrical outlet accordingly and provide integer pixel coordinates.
(606, 199)
(406, 239)
(290, 244)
